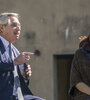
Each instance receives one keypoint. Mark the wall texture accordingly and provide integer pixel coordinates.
(49, 27)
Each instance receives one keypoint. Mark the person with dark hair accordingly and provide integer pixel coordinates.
(12, 63)
(80, 72)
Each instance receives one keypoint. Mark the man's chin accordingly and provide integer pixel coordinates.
(17, 37)
(15, 40)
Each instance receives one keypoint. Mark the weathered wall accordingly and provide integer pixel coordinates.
(51, 27)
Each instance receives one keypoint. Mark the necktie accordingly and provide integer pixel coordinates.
(16, 77)
(10, 50)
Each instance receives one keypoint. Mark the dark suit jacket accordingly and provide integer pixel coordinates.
(6, 75)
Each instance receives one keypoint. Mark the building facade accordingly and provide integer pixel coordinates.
(50, 29)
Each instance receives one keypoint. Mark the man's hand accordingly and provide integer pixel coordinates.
(27, 70)
(23, 58)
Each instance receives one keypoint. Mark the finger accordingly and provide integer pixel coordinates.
(29, 73)
(28, 66)
(27, 57)
(28, 69)
(28, 53)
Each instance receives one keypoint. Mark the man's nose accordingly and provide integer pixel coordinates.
(19, 28)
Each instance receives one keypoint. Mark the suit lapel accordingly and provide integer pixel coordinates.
(2, 48)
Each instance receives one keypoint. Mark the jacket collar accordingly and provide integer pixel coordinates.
(2, 48)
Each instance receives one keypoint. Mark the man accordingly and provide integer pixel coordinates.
(12, 75)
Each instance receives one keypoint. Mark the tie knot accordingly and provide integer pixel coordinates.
(9, 45)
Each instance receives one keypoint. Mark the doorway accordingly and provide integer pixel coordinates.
(62, 73)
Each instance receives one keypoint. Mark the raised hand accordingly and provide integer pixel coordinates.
(23, 58)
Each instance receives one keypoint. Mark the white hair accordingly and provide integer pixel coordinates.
(4, 17)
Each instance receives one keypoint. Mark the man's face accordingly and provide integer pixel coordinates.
(12, 30)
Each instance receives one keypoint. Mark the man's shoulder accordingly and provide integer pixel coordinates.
(2, 48)
(79, 50)
(81, 53)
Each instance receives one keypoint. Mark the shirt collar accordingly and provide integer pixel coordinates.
(5, 42)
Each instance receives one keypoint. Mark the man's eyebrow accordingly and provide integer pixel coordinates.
(15, 23)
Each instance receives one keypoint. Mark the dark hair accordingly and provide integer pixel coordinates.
(84, 41)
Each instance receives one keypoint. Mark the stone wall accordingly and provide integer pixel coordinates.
(49, 27)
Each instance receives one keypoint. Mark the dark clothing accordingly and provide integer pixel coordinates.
(7, 77)
(28, 97)
(14, 98)
(80, 72)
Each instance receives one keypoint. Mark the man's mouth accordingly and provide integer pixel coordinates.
(16, 33)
